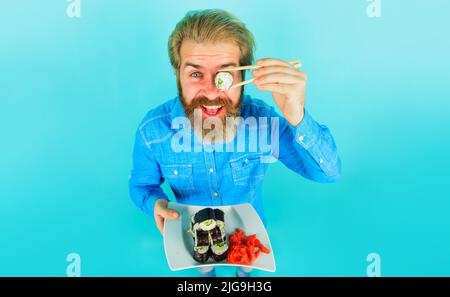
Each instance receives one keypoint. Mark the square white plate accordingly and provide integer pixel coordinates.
(179, 245)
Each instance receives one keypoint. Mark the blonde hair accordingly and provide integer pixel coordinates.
(211, 25)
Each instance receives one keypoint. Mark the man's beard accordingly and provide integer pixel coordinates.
(205, 127)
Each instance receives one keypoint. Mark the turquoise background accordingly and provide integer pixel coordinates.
(73, 91)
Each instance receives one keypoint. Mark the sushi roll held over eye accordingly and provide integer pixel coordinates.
(223, 81)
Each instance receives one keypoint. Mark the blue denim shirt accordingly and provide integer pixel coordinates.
(213, 175)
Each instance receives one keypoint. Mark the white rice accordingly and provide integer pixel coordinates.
(223, 81)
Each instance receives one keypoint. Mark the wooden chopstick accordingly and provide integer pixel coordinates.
(245, 82)
(294, 62)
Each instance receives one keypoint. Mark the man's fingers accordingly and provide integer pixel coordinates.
(270, 61)
(277, 77)
(172, 214)
(273, 69)
(161, 213)
(159, 223)
(276, 88)
(169, 214)
(162, 210)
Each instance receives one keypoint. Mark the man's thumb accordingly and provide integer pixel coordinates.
(169, 214)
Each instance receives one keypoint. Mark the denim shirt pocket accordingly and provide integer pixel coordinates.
(247, 170)
(179, 177)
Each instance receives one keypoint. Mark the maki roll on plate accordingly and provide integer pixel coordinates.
(219, 215)
(201, 238)
(205, 219)
(201, 253)
(221, 226)
(194, 225)
(216, 235)
(219, 251)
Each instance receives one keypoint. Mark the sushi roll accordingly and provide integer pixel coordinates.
(216, 236)
(201, 238)
(219, 215)
(219, 251)
(220, 221)
(194, 226)
(205, 219)
(208, 232)
(223, 80)
(201, 253)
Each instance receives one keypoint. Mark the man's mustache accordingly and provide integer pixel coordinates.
(202, 100)
(232, 110)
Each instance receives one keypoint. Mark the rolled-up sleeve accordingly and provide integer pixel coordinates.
(309, 149)
(145, 179)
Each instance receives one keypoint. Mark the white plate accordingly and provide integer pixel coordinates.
(179, 245)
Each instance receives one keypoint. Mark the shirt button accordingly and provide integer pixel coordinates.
(216, 194)
(321, 161)
(246, 160)
(301, 138)
(175, 172)
(211, 170)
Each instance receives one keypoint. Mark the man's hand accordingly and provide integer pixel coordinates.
(162, 213)
(287, 84)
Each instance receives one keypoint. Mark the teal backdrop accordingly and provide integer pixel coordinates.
(73, 91)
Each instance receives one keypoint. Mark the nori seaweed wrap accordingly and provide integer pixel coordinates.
(216, 236)
(204, 214)
(206, 219)
(201, 238)
(219, 215)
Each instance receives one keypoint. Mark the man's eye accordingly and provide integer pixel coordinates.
(196, 74)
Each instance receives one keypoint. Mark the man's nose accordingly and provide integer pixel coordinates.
(211, 91)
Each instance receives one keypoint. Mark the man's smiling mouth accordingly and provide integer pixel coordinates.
(212, 110)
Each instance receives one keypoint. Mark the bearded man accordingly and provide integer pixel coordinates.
(203, 43)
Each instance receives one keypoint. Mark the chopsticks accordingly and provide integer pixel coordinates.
(294, 63)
